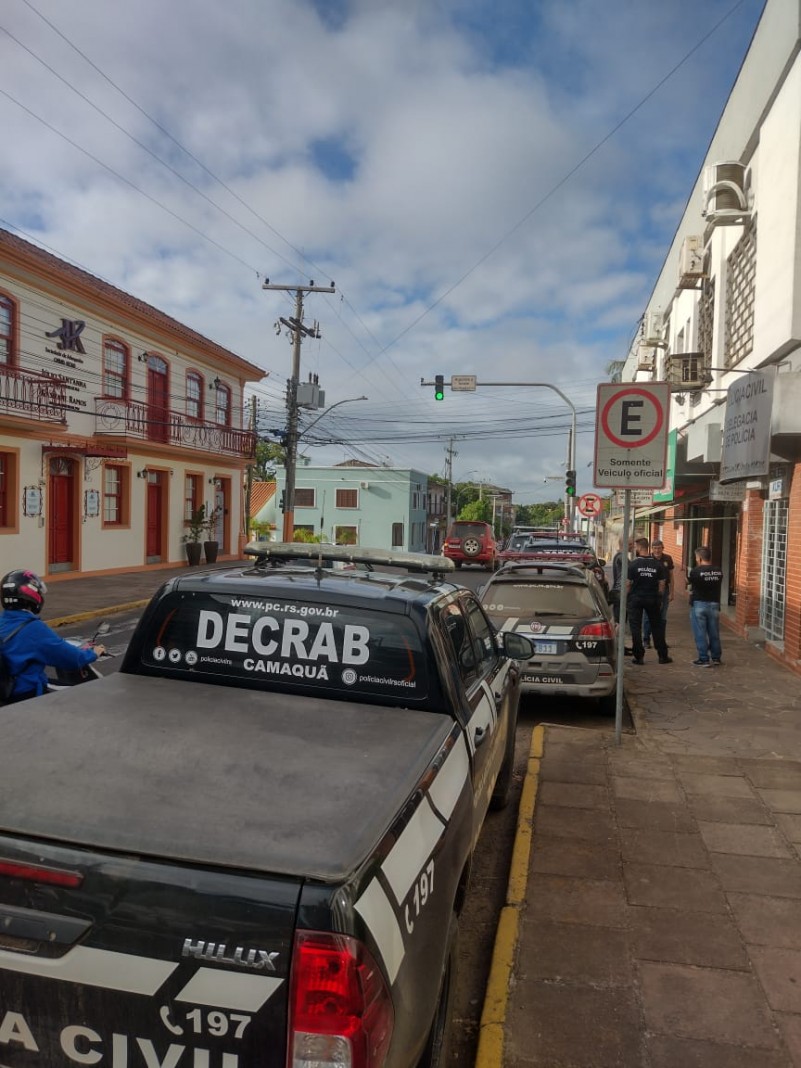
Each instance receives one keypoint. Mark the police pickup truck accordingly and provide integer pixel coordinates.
(251, 846)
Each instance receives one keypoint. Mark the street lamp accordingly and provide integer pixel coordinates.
(291, 464)
(348, 400)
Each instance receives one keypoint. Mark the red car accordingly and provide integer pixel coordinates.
(471, 543)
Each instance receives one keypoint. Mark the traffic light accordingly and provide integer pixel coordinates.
(439, 387)
(282, 501)
(570, 483)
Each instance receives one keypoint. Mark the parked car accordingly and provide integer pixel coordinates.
(253, 844)
(564, 610)
(564, 548)
(469, 542)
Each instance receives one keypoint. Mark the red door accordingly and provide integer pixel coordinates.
(61, 517)
(158, 399)
(153, 518)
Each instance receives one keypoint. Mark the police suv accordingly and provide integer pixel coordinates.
(251, 846)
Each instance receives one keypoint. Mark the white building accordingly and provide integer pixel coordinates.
(723, 325)
(116, 422)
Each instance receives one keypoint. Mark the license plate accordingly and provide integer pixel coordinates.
(546, 648)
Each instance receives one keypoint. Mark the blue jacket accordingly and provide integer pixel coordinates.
(33, 648)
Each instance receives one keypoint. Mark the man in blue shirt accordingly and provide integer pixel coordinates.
(29, 645)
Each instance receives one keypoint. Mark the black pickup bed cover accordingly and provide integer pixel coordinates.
(267, 782)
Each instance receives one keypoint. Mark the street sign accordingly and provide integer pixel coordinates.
(463, 383)
(590, 504)
(631, 435)
(640, 498)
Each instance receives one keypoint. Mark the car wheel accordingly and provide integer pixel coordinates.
(437, 1051)
(471, 546)
(607, 705)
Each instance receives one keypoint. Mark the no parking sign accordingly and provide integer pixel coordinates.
(590, 504)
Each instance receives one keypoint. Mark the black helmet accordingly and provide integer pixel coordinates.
(22, 589)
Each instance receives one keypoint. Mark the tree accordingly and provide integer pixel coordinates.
(548, 514)
(269, 455)
(477, 511)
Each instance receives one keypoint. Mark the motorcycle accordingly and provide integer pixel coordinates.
(63, 679)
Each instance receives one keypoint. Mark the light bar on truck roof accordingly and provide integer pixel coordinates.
(349, 554)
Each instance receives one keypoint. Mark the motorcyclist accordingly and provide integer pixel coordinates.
(35, 645)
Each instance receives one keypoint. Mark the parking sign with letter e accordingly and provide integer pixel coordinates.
(631, 434)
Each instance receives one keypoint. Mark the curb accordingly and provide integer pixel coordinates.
(79, 617)
(491, 1034)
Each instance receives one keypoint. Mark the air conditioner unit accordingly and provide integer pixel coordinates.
(724, 193)
(646, 357)
(653, 329)
(687, 372)
(364, 485)
(691, 261)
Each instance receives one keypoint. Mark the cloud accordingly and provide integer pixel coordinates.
(444, 161)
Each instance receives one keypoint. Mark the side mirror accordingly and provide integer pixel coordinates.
(601, 562)
(517, 646)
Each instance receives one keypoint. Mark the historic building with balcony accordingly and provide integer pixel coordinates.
(117, 423)
(723, 328)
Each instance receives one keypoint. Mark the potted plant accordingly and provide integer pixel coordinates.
(210, 545)
(196, 525)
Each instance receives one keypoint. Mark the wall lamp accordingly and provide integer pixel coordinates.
(143, 473)
(142, 357)
(215, 384)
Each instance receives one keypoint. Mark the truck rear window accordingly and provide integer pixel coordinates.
(287, 644)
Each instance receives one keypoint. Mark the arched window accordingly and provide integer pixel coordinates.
(115, 368)
(194, 395)
(8, 323)
(222, 405)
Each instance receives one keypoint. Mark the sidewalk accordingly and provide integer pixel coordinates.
(73, 600)
(659, 921)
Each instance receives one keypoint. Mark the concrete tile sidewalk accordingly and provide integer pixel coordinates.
(661, 921)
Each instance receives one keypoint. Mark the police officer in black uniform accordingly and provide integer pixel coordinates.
(646, 587)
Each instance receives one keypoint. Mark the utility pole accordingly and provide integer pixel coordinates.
(298, 331)
(449, 454)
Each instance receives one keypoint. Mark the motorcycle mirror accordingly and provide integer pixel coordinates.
(103, 628)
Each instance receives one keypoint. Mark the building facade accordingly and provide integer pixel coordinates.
(357, 504)
(723, 327)
(116, 424)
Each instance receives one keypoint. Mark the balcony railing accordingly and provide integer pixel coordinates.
(132, 420)
(32, 395)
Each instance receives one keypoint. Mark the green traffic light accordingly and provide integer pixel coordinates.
(439, 387)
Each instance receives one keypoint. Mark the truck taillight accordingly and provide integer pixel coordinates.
(35, 873)
(340, 1010)
(596, 630)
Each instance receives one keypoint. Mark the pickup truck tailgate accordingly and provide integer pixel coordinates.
(125, 963)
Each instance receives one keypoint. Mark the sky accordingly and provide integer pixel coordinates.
(490, 185)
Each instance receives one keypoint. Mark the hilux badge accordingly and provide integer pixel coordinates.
(257, 959)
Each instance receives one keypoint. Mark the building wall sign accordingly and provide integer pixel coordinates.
(69, 334)
(777, 490)
(746, 432)
(733, 493)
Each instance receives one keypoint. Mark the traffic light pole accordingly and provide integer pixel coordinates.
(570, 500)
